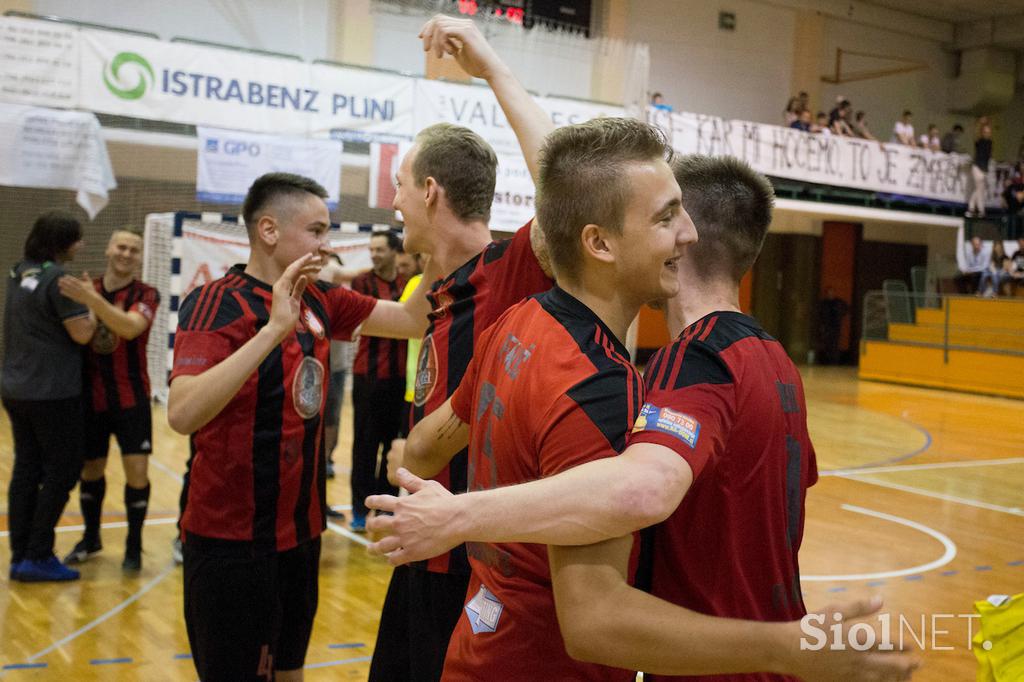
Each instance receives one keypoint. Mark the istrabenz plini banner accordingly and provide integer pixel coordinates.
(151, 79)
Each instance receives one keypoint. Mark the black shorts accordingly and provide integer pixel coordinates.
(133, 429)
(420, 613)
(247, 616)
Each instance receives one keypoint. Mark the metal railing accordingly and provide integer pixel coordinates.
(948, 322)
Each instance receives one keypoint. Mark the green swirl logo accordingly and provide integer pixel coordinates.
(115, 79)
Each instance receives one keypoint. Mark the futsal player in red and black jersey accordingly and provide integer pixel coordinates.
(249, 386)
(378, 383)
(723, 420)
(550, 385)
(445, 187)
(117, 392)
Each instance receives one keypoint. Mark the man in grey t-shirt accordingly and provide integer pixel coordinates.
(41, 389)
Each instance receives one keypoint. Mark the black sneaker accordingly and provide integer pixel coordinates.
(132, 561)
(335, 514)
(83, 551)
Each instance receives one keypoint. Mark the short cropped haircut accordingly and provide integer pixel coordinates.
(52, 234)
(583, 181)
(731, 206)
(462, 163)
(130, 229)
(394, 241)
(271, 187)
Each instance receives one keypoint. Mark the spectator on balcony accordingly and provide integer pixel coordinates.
(839, 119)
(997, 272)
(792, 113)
(975, 262)
(951, 141)
(803, 122)
(930, 140)
(860, 127)
(1018, 263)
(903, 131)
(821, 124)
(979, 171)
(658, 102)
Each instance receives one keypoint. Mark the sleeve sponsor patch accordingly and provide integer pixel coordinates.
(666, 420)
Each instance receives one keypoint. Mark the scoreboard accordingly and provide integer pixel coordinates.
(573, 14)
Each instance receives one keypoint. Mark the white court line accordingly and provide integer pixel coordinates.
(108, 524)
(962, 464)
(106, 616)
(348, 534)
(1016, 511)
(166, 469)
(946, 557)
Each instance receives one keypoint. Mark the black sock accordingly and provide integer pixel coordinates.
(136, 501)
(90, 497)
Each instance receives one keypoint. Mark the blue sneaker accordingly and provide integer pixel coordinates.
(358, 524)
(16, 567)
(45, 570)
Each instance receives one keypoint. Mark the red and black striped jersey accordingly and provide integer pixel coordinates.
(116, 368)
(258, 470)
(466, 303)
(549, 388)
(379, 357)
(727, 398)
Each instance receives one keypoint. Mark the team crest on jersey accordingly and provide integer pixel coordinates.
(665, 420)
(145, 311)
(312, 323)
(426, 372)
(484, 611)
(444, 301)
(308, 388)
(104, 341)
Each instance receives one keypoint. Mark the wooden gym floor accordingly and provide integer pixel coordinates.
(921, 500)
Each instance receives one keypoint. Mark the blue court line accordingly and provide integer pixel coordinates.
(349, 645)
(914, 577)
(1015, 563)
(982, 568)
(949, 573)
(108, 661)
(897, 458)
(837, 589)
(183, 657)
(344, 661)
(876, 583)
(23, 666)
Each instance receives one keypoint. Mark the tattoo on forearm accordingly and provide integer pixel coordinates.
(447, 430)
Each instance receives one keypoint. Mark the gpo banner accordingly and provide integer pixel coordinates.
(826, 159)
(228, 162)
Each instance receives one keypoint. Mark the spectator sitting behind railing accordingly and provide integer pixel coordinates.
(839, 119)
(930, 140)
(804, 122)
(1018, 263)
(792, 112)
(975, 262)
(997, 272)
(1013, 201)
(821, 125)
(951, 141)
(903, 131)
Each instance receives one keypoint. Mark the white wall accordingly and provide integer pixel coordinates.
(739, 74)
(925, 92)
(295, 27)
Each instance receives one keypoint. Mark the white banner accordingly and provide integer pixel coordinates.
(55, 149)
(826, 159)
(38, 62)
(151, 79)
(229, 161)
(207, 252)
(477, 108)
